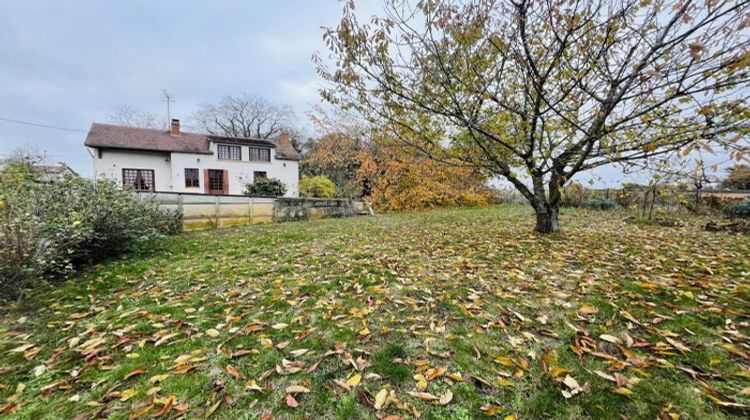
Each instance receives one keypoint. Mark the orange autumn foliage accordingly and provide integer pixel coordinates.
(403, 181)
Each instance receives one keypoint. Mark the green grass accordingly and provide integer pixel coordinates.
(472, 292)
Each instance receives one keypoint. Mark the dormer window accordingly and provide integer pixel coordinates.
(227, 152)
(260, 154)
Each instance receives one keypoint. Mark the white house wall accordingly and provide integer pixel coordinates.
(112, 163)
(240, 171)
(169, 169)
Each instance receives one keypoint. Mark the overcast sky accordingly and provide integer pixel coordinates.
(70, 63)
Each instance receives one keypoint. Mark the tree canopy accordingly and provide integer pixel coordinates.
(538, 91)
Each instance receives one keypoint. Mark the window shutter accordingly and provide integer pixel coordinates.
(226, 181)
(205, 181)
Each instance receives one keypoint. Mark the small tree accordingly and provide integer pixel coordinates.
(738, 178)
(317, 186)
(265, 187)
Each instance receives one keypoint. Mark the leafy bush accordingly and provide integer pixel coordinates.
(602, 204)
(265, 187)
(741, 209)
(317, 186)
(49, 229)
(573, 195)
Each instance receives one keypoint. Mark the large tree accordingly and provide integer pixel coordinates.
(131, 116)
(538, 91)
(248, 116)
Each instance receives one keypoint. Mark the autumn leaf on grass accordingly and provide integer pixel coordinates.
(214, 407)
(610, 338)
(504, 382)
(288, 367)
(213, 333)
(158, 378)
(588, 309)
(426, 396)
(297, 389)
(21, 349)
(291, 402)
(621, 390)
(573, 387)
(421, 382)
(134, 372)
(491, 410)
(731, 348)
(251, 385)
(354, 380)
(456, 377)
(127, 394)
(167, 404)
(446, 398)
(434, 373)
(676, 344)
(381, 399)
(297, 353)
(234, 372)
(39, 370)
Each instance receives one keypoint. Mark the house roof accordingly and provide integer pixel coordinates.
(134, 138)
(61, 167)
(286, 151)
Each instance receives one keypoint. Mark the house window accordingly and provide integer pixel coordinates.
(260, 154)
(138, 179)
(229, 152)
(259, 174)
(216, 181)
(191, 178)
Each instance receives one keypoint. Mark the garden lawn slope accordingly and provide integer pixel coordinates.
(446, 314)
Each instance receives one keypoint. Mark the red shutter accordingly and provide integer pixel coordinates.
(226, 181)
(205, 181)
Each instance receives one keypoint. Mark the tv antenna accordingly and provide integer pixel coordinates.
(168, 99)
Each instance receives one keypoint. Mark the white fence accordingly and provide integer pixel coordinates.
(202, 211)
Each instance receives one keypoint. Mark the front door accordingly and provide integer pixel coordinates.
(217, 181)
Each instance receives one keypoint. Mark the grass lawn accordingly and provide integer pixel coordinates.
(450, 314)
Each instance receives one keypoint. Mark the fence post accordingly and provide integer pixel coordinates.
(218, 213)
(180, 206)
(250, 210)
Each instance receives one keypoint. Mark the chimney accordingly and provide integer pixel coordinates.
(174, 128)
(284, 138)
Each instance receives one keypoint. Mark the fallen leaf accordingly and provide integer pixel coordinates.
(127, 394)
(380, 399)
(354, 380)
(447, 397)
(296, 389)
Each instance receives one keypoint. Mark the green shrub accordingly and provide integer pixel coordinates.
(50, 229)
(741, 209)
(265, 187)
(317, 186)
(602, 204)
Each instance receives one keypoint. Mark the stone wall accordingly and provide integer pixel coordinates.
(290, 209)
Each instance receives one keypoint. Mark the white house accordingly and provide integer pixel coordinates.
(172, 160)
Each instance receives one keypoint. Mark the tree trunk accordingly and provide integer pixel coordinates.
(546, 218)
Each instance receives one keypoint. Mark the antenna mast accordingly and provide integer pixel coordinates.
(168, 99)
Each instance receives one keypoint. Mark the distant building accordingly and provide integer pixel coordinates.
(172, 160)
(55, 172)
